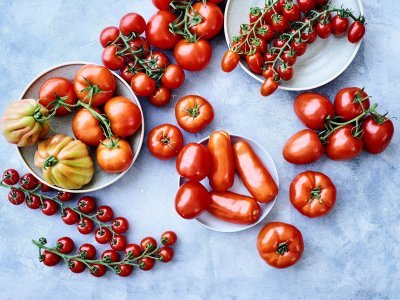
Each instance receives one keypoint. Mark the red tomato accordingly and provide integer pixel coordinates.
(63, 196)
(285, 72)
(128, 71)
(109, 256)
(255, 62)
(87, 128)
(211, 20)
(10, 177)
(124, 270)
(260, 45)
(165, 141)
(114, 160)
(98, 270)
(313, 109)
(377, 133)
(132, 251)
(124, 115)
(356, 32)
(143, 85)
(173, 77)
(146, 263)
(85, 226)
(194, 162)
(29, 182)
(269, 72)
(168, 238)
(141, 47)
(191, 200)
(268, 87)
(324, 29)
(118, 242)
(49, 207)
(103, 235)
(339, 25)
(321, 3)
(120, 225)
(109, 35)
(87, 204)
(280, 245)
(304, 147)
(222, 171)
(65, 245)
(291, 12)
(234, 208)
(265, 32)
(33, 201)
(16, 197)
(87, 251)
(289, 57)
(193, 113)
(299, 47)
(157, 60)
(306, 5)
(102, 84)
(69, 216)
(111, 58)
(193, 56)
(76, 266)
(50, 259)
(342, 145)
(348, 103)
(162, 4)
(166, 254)
(255, 14)
(313, 194)
(132, 23)
(157, 31)
(280, 23)
(253, 173)
(161, 96)
(148, 244)
(104, 213)
(309, 35)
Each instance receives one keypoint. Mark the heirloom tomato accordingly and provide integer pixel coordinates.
(114, 157)
(157, 31)
(211, 20)
(165, 141)
(193, 56)
(303, 147)
(349, 103)
(342, 145)
(194, 162)
(377, 133)
(87, 128)
(191, 200)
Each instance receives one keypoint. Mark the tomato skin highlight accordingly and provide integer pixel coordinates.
(193, 56)
(313, 194)
(165, 141)
(342, 145)
(356, 32)
(191, 200)
(234, 208)
(376, 136)
(253, 173)
(222, 172)
(303, 147)
(194, 162)
(230, 60)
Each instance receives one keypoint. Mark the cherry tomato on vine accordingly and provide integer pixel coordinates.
(255, 62)
(313, 194)
(265, 32)
(191, 200)
(128, 71)
(285, 72)
(111, 59)
(268, 87)
(104, 213)
(133, 250)
(116, 159)
(132, 23)
(168, 238)
(165, 141)
(193, 113)
(211, 20)
(339, 25)
(280, 42)
(118, 242)
(146, 263)
(50, 259)
(64, 196)
(348, 103)
(260, 45)
(356, 32)
(342, 145)
(321, 3)
(120, 225)
(309, 35)
(157, 31)
(306, 5)
(194, 162)
(69, 217)
(124, 270)
(270, 57)
(291, 12)
(377, 133)
(324, 29)
(173, 77)
(255, 14)
(10, 177)
(76, 266)
(49, 207)
(85, 226)
(166, 254)
(16, 197)
(87, 204)
(303, 147)
(161, 96)
(33, 201)
(56, 90)
(269, 71)
(148, 244)
(157, 60)
(140, 46)
(98, 270)
(87, 128)
(87, 251)
(280, 24)
(289, 57)
(103, 235)
(193, 56)
(29, 182)
(313, 109)
(45, 188)
(162, 4)
(143, 85)
(109, 35)
(299, 47)
(65, 245)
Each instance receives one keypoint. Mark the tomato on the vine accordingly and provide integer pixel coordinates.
(193, 56)
(148, 244)
(191, 200)
(255, 62)
(98, 270)
(303, 147)
(65, 245)
(112, 59)
(165, 141)
(104, 213)
(49, 207)
(29, 182)
(86, 127)
(289, 57)
(120, 225)
(269, 71)
(265, 32)
(10, 177)
(339, 25)
(87, 251)
(299, 46)
(76, 266)
(50, 259)
(343, 145)
(166, 254)
(33, 201)
(143, 85)
(324, 29)
(194, 162)
(309, 35)
(16, 197)
(161, 96)
(85, 225)
(103, 235)
(69, 216)
(124, 270)
(349, 103)
(306, 5)
(279, 23)
(356, 32)
(285, 72)
(87, 204)
(140, 45)
(168, 238)
(109, 35)
(211, 20)
(291, 12)
(146, 263)
(133, 251)
(157, 31)
(128, 71)
(157, 60)
(173, 77)
(114, 159)
(377, 133)
(118, 242)
(63, 196)
(132, 23)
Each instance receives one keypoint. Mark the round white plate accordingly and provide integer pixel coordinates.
(100, 178)
(211, 222)
(324, 60)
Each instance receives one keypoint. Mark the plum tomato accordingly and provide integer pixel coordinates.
(342, 145)
(339, 25)
(194, 162)
(193, 56)
(165, 141)
(132, 23)
(157, 31)
(191, 200)
(377, 133)
(86, 127)
(356, 32)
(114, 157)
(268, 87)
(349, 103)
(210, 20)
(303, 147)
(255, 62)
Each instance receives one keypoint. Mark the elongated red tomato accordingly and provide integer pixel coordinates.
(222, 171)
(194, 162)
(230, 60)
(253, 173)
(234, 208)
(303, 147)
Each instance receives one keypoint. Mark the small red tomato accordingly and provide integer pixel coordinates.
(141, 47)
(128, 71)
(255, 62)
(49, 207)
(133, 251)
(29, 182)
(118, 242)
(10, 177)
(339, 25)
(76, 266)
(321, 3)
(260, 45)
(324, 29)
(265, 32)
(69, 216)
(377, 133)
(16, 197)
(109, 256)
(191, 200)
(194, 162)
(342, 145)
(289, 57)
(64, 196)
(280, 24)
(112, 58)
(143, 85)
(104, 213)
(157, 60)
(85, 226)
(146, 263)
(269, 71)
(309, 35)
(33, 201)
(285, 72)
(109, 35)
(148, 244)
(268, 87)
(270, 57)
(65, 245)
(103, 235)
(166, 254)
(356, 32)
(98, 270)
(168, 238)
(161, 96)
(299, 47)
(124, 270)
(50, 259)
(87, 251)
(45, 188)
(280, 42)
(120, 225)
(157, 31)
(132, 23)
(173, 77)
(306, 5)
(87, 204)
(291, 12)
(303, 147)
(349, 103)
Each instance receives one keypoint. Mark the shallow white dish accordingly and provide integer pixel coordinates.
(324, 60)
(100, 178)
(211, 222)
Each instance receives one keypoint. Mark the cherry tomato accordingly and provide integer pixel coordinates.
(191, 200)
(193, 56)
(309, 35)
(168, 238)
(161, 96)
(132, 251)
(234, 208)
(339, 25)
(289, 57)
(33, 201)
(87, 204)
(132, 23)
(313, 109)
(104, 213)
(50, 259)
(348, 103)
(162, 4)
(148, 244)
(285, 72)
(193, 113)
(166, 254)
(342, 145)
(128, 71)
(10, 177)
(87, 128)
(87, 251)
(16, 197)
(356, 32)
(97, 76)
(29, 182)
(110, 256)
(255, 14)
(85, 226)
(270, 57)
(140, 45)
(114, 160)
(165, 141)
(58, 90)
(143, 85)
(45, 188)
(63, 196)
(306, 5)
(321, 3)
(299, 47)
(108, 35)
(146, 263)
(65, 245)
(111, 59)
(98, 270)
(377, 133)
(222, 172)
(253, 173)
(280, 245)
(103, 235)
(303, 147)
(157, 60)
(157, 31)
(268, 16)
(173, 77)
(194, 162)
(49, 207)
(255, 62)
(265, 32)
(118, 242)
(211, 20)
(120, 225)
(260, 45)
(124, 270)
(124, 115)
(269, 71)
(76, 266)
(291, 12)
(69, 216)
(324, 29)
(313, 194)
(268, 87)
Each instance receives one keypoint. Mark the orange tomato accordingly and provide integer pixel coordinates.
(86, 127)
(114, 160)
(165, 141)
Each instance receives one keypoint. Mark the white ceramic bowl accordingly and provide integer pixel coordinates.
(324, 60)
(100, 179)
(211, 222)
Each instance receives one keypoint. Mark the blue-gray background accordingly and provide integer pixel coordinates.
(353, 253)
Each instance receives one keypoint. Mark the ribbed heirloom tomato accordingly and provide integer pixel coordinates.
(303, 147)
(165, 141)
(194, 162)
(211, 20)
(157, 31)
(87, 128)
(191, 200)
(193, 56)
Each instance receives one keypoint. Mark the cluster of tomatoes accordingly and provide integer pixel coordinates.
(280, 32)
(340, 130)
(179, 25)
(143, 255)
(219, 161)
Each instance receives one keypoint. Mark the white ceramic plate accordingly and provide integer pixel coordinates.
(324, 60)
(63, 125)
(211, 222)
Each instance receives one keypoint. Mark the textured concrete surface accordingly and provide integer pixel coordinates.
(353, 253)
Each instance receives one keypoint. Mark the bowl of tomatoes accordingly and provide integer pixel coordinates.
(96, 132)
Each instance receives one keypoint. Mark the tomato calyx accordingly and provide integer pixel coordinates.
(282, 248)
(195, 111)
(315, 194)
(50, 162)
